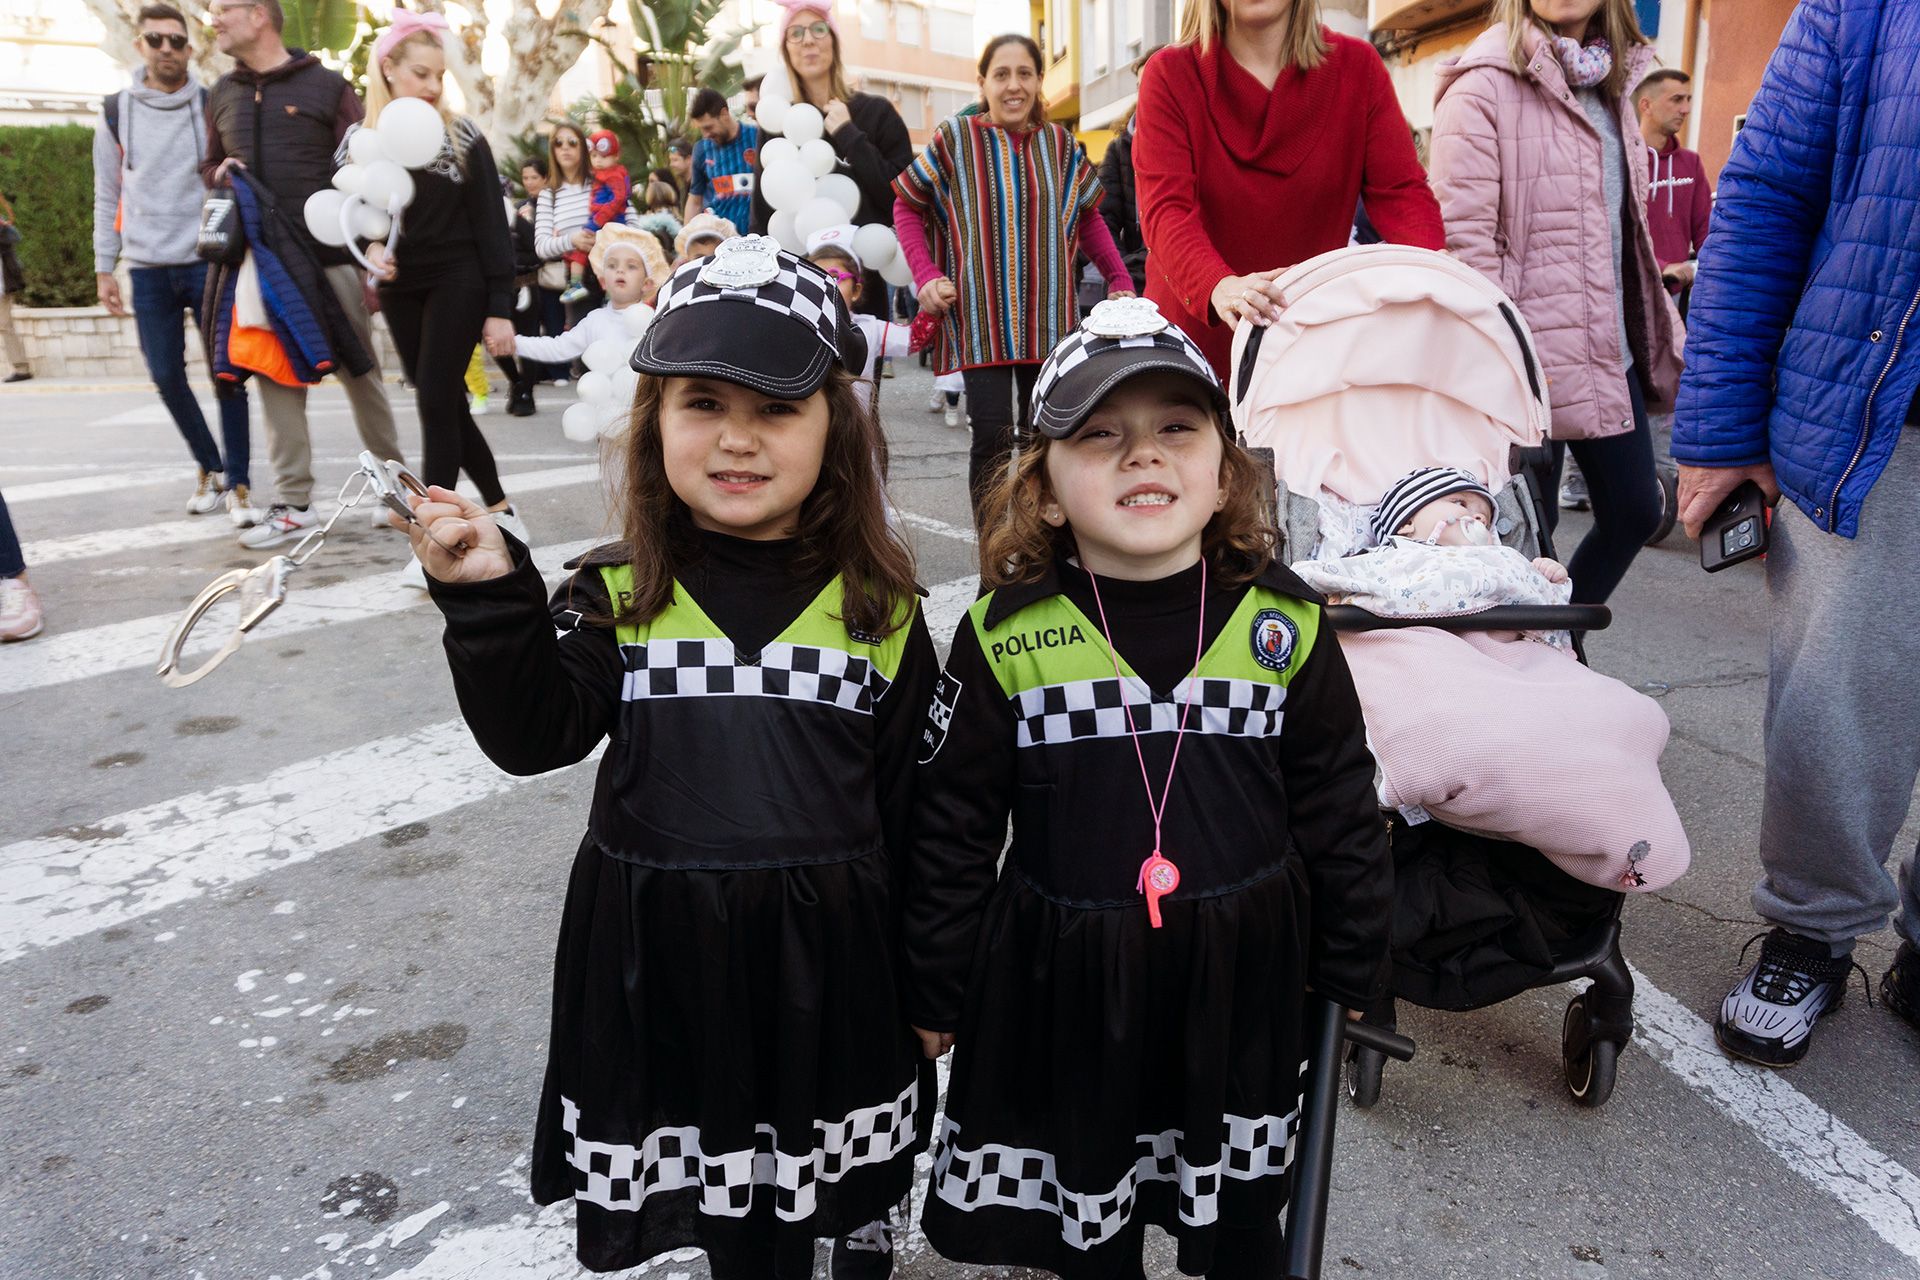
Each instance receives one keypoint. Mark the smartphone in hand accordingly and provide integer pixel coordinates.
(1737, 530)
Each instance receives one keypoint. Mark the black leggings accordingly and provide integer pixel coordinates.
(1626, 502)
(435, 329)
(998, 397)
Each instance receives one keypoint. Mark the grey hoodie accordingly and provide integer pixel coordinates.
(149, 181)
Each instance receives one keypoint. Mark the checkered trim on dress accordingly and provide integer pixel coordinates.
(800, 290)
(710, 668)
(616, 1176)
(1097, 709)
(1001, 1177)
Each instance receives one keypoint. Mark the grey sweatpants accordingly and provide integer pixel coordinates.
(1843, 715)
(289, 447)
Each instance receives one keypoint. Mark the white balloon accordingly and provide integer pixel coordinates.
(323, 216)
(348, 178)
(580, 423)
(819, 157)
(780, 227)
(607, 355)
(787, 187)
(595, 386)
(897, 272)
(613, 419)
(843, 191)
(625, 383)
(412, 131)
(366, 147)
(804, 123)
(370, 223)
(817, 215)
(772, 113)
(385, 185)
(876, 245)
(636, 317)
(776, 153)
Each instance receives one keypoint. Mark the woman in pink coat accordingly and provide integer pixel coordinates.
(1541, 195)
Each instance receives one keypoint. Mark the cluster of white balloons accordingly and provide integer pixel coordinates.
(369, 192)
(807, 196)
(606, 389)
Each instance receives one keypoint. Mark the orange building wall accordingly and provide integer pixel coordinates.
(1740, 38)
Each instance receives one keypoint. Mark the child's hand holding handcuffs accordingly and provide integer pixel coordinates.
(454, 537)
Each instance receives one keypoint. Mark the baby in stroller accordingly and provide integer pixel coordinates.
(1498, 733)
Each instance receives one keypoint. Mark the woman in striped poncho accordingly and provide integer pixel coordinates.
(991, 216)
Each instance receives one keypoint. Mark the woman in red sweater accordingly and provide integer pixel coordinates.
(1260, 133)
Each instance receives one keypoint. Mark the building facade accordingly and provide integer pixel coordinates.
(52, 69)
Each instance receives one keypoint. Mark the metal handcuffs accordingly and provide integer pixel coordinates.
(263, 588)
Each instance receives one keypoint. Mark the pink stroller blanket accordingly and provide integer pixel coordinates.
(1479, 730)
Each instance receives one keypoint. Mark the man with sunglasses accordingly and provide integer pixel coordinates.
(146, 210)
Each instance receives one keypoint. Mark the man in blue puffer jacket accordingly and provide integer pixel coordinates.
(1802, 363)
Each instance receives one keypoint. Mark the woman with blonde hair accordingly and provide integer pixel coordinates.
(1542, 196)
(1259, 132)
(447, 280)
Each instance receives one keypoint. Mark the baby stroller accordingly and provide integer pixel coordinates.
(1428, 363)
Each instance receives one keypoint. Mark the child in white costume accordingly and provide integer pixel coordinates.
(627, 263)
(832, 251)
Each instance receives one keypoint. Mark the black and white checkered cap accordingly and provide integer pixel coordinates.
(1415, 490)
(1120, 339)
(776, 322)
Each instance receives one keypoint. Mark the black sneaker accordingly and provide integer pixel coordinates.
(866, 1254)
(520, 402)
(1900, 988)
(1768, 1018)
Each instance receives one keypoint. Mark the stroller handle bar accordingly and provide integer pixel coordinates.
(1501, 617)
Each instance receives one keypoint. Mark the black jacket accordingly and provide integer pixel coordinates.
(873, 148)
(1119, 210)
(284, 125)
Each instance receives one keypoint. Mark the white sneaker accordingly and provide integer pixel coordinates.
(20, 616)
(413, 574)
(954, 417)
(937, 401)
(240, 508)
(282, 524)
(208, 494)
(477, 406)
(510, 522)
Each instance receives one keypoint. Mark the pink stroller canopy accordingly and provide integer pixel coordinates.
(1386, 358)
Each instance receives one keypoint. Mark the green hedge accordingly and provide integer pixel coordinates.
(47, 173)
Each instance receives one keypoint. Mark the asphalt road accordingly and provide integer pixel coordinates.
(275, 949)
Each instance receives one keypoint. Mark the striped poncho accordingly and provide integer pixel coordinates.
(1005, 211)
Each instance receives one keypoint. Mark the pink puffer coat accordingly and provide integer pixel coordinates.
(1516, 165)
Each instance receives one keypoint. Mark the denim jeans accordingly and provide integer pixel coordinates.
(11, 565)
(160, 295)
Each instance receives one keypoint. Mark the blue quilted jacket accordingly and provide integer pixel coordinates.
(1803, 342)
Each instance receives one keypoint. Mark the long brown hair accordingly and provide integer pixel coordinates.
(1037, 113)
(1207, 20)
(556, 178)
(1614, 19)
(842, 529)
(1019, 546)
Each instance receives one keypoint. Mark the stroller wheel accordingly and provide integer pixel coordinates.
(1669, 477)
(1364, 1069)
(1588, 1063)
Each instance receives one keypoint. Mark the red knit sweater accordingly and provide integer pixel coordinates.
(1234, 177)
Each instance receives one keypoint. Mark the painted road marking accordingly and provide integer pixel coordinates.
(82, 486)
(1811, 1141)
(929, 524)
(170, 533)
(58, 887)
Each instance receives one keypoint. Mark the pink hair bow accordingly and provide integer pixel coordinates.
(407, 23)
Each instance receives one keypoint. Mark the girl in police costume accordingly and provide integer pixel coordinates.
(729, 1068)
(1164, 713)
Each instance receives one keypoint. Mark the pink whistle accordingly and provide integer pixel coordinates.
(1158, 878)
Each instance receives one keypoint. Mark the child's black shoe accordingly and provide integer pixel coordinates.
(1900, 987)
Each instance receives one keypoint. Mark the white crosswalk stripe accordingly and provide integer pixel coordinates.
(170, 533)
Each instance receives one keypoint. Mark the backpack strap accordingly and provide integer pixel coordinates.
(111, 109)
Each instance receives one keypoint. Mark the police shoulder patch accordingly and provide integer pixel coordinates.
(1274, 638)
(946, 695)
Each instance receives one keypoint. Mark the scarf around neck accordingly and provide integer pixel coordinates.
(1587, 64)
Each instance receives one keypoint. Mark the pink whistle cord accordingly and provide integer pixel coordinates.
(1199, 650)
